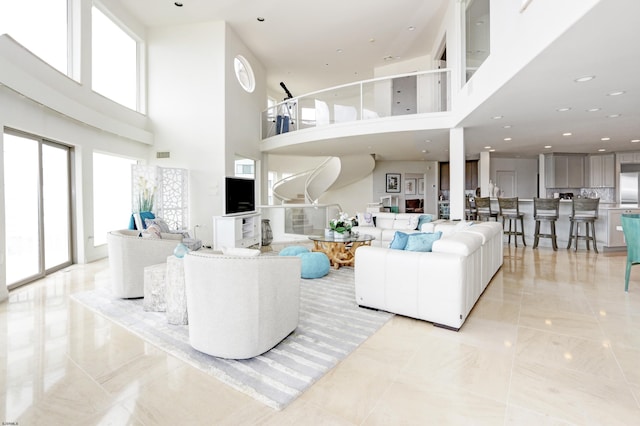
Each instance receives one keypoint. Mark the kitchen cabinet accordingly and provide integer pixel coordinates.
(602, 171)
(564, 171)
(470, 175)
(615, 238)
(444, 176)
(629, 157)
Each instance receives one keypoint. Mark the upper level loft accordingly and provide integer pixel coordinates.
(410, 94)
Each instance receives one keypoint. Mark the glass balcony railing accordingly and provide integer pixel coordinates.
(405, 94)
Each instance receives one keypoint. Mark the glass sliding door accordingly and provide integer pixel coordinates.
(56, 200)
(37, 207)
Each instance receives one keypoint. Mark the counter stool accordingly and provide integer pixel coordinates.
(483, 209)
(470, 211)
(583, 210)
(510, 210)
(547, 210)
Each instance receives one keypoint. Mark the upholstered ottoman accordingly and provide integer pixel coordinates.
(293, 251)
(314, 264)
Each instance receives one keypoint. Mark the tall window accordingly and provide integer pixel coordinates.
(114, 61)
(111, 195)
(40, 26)
(477, 35)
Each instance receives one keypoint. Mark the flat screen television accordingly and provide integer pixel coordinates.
(239, 195)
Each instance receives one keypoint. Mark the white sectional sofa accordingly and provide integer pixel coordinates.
(386, 225)
(440, 286)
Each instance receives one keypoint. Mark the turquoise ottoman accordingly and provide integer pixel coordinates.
(293, 251)
(314, 264)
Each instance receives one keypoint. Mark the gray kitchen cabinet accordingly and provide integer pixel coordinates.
(564, 171)
(615, 238)
(629, 157)
(602, 171)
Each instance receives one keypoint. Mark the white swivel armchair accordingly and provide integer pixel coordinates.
(240, 306)
(128, 256)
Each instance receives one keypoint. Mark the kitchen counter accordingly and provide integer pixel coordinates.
(606, 234)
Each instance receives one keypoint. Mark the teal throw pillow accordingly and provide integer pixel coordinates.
(399, 241)
(424, 218)
(422, 241)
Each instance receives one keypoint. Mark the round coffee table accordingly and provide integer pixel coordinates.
(340, 251)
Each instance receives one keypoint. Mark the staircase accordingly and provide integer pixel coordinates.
(335, 172)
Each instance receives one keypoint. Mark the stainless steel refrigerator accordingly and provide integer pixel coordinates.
(629, 184)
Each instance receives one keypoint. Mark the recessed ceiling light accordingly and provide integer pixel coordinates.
(388, 58)
(424, 151)
(178, 4)
(508, 126)
(411, 28)
(567, 134)
(492, 150)
(601, 150)
(507, 139)
(339, 50)
(547, 146)
(593, 109)
(260, 19)
(605, 139)
(585, 78)
(563, 109)
(487, 147)
(496, 117)
(372, 40)
(428, 140)
(480, 23)
(613, 115)
(635, 140)
(621, 92)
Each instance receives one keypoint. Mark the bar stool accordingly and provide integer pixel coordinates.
(583, 210)
(510, 210)
(483, 209)
(547, 210)
(470, 211)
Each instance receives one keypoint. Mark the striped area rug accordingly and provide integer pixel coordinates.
(331, 327)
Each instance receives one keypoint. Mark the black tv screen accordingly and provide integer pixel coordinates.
(239, 194)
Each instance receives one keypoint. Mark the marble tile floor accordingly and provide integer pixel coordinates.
(554, 340)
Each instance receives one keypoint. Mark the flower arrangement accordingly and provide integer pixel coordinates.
(342, 224)
(146, 194)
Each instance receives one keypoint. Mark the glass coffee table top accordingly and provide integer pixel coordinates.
(340, 251)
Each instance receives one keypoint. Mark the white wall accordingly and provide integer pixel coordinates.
(199, 111)
(525, 170)
(428, 168)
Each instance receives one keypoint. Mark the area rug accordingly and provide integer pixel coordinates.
(331, 327)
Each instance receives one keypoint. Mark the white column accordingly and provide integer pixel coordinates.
(456, 173)
(485, 174)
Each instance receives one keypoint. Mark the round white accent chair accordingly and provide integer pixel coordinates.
(241, 306)
(128, 256)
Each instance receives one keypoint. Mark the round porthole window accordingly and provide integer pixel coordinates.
(244, 73)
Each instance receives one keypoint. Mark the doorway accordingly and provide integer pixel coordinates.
(37, 178)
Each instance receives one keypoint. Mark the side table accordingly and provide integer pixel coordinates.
(154, 288)
(175, 294)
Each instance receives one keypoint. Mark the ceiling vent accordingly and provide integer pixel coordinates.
(163, 154)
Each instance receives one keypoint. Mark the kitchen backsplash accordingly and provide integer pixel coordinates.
(606, 195)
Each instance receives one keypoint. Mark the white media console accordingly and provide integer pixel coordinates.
(236, 231)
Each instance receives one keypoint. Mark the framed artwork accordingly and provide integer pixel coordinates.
(393, 182)
(410, 186)
(421, 186)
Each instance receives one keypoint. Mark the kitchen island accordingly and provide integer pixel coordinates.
(607, 236)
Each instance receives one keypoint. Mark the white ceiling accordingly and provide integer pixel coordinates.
(298, 44)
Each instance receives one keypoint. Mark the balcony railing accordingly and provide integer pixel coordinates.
(404, 94)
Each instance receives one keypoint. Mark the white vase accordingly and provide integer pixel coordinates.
(491, 186)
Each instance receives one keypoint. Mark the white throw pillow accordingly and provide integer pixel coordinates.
(365, 219)
(238, 251)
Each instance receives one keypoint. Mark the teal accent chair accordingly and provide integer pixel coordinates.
(631, 229)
